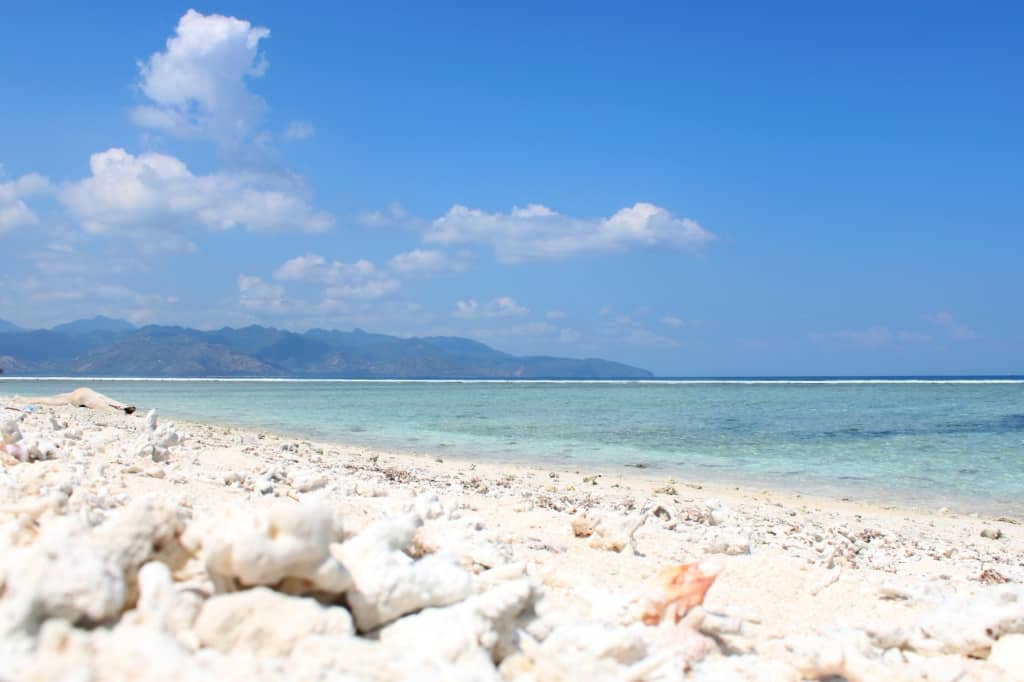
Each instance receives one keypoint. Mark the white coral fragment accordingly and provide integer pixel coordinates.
(265, 621)
(489, 621)
(388, 583)
(64, 574)
(156, 440)
(611, 532)
(285, 543)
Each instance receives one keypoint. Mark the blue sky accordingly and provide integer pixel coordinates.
(697, 189)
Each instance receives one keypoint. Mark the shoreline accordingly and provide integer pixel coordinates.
(645, 476)
(800, 585)
(740, 484)
(811, 379)
(965, 495)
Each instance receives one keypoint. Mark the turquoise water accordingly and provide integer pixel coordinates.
(922, 442)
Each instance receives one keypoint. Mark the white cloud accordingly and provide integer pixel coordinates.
(258, 295)
(40, 302)
(632, 332)
(952, 328)
(393, 214)
(524, 330)
(367, 289)
(358, 280)
(298, 130)
(347, 294)
(428, 262)
(568, 336)
(523, 337)
(499, 307)
(538, 233)
(555, 315)
(673, 322)
(198, 83)
(870, 337)
(155, 192)
(14, 212)
(309, 267)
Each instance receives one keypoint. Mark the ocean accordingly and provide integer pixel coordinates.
(956, 442)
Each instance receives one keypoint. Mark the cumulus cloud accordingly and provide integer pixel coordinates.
(950, 327)
(345, 294)
(14, 212)
(157, 192)
(428, 262)
(198, 84)
(536, 232)
(358, 280)
(310, 267)
(298, 130)
(499, 307)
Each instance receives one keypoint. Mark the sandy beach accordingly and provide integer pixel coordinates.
(133, 548)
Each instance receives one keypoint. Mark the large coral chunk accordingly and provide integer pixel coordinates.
(84, 575)
(265, 621)
(285, 545)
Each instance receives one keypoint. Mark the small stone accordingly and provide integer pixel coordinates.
(992, 533)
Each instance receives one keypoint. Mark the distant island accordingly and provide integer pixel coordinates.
(103, 347)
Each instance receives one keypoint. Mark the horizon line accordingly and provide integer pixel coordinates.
(745, 379)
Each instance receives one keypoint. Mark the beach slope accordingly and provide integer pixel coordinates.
(133, 548)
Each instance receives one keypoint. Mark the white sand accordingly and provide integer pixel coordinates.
(809, 587)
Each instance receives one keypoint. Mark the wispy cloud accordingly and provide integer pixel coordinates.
(298, 131)
(631, 331)
(950, 327)
(424, 262)
(14, 212)
(871, 337)
(504, 306)
(393, 215)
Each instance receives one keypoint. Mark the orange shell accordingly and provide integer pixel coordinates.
(677, 589)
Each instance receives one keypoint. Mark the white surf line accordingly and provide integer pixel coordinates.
(654, 382)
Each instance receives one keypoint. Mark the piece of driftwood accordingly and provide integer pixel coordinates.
(83, 397)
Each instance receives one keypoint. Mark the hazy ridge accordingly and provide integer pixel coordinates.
(104, 347)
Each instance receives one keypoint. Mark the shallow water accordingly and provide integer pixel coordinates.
(927, 442)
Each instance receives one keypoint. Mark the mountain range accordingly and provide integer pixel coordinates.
(101, 346)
